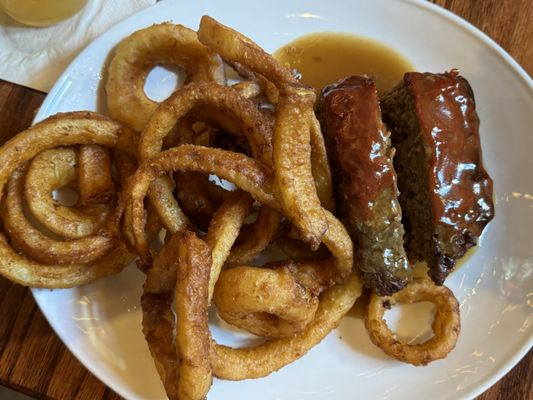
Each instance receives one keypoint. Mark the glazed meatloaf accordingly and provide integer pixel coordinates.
(361, 157)
(446, 194)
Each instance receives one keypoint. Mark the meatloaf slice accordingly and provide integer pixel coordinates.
(446, 193)
(359, 149)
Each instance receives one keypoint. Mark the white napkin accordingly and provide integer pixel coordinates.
(35, 57)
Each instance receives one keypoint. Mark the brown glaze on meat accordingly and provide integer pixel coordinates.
(360, 142)
(461, 189)
(446, 192)
(361, 156)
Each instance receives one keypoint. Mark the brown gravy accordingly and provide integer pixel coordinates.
(323, 58)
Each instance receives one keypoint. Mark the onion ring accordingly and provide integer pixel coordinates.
(207, 95)
(245, 172)
(234, 47)
(290, 133)
(135, 56)
(64, 129)
(61, 130)
(167, 208)
(248, 89)
(446, 324)
(244, 113)
(263, 231)
(320, 166)
(226, 363)
(193, 198)
(259, 361)
(96, 184)
(192, 346)
(41, 248)
(53, 169)
(266, 302)
(158, 330)
(188, 258)
(223, 231)
(293, 179)
(20, 269)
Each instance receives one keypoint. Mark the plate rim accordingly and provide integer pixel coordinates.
(55, 94)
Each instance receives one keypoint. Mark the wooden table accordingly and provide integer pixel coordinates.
(32, 358)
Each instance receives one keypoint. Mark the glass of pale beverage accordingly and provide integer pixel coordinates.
(41, 12)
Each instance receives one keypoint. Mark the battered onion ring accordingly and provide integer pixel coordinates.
(241, 111)
(188, 258)
(193, 198)
(320, 166)
(170, 213)
(319, 159)
(209, 97)
(50, 170)
(291, 125)
(268, 89)
(135, 56)
(226, 362)
(191, 302)
(315, 276)
(293, 179)
(239, 169)
(41, 248)
(248, 89)
(223, 231)
(446, 324)
(237, 48)
(62, 129)
(259, 361)
(158, 330)
(126, 166)
(95, 178)
(224, 228)
(266, 302)
(297, 250)
(245, 172)
(263, 231)
(20, 269)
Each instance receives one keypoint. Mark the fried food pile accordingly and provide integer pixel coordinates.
(153, 167)
(46, 244)
(281, 175)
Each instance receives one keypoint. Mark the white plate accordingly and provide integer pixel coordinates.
(100, 323)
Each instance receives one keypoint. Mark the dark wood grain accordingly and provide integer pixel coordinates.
(508, 22)
(32, 358)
